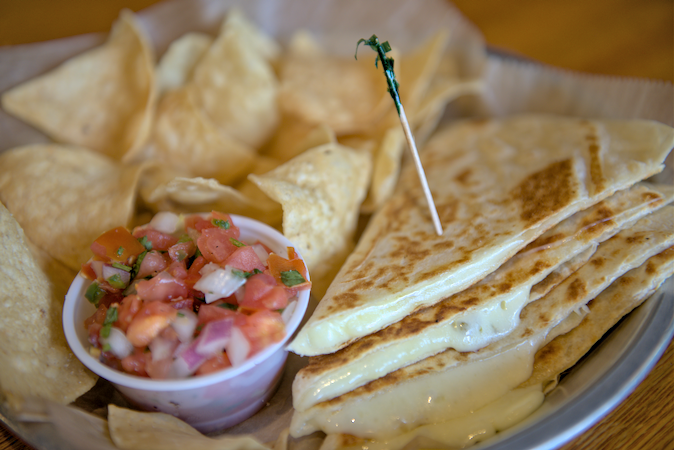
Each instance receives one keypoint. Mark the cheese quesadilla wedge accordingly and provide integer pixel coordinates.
(451, 383)
(471, 319)
(497, 185)
(622, 296)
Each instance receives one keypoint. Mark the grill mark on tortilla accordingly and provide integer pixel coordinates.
(575, 290)
(547, 191)
(596, 173)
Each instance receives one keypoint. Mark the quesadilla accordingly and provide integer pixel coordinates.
(497, 185)
(625, 294)
(452, 383)
(481, 314)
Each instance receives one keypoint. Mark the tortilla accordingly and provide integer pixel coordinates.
(320, 191)
(134, 430)
(65, 197)
(235, 83)
(35, 359)
(497, 185)
(458, 382)
(103, 99)
(483, 313)
(606, 310)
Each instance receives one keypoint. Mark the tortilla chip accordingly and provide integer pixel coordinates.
(320, 192)
(235, 84)
(176, 66)
(102, 99)
(185, 139)
(133, 430)
(345, 94)
(35, 359)
(295, 136)
(65, 197)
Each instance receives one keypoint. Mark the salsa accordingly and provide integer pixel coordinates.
(184, 296)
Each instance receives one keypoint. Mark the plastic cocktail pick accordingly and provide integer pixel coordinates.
(387, 64)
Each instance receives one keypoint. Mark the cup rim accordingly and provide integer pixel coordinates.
(74, 297)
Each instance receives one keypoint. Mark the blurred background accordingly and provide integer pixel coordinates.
(613, 37)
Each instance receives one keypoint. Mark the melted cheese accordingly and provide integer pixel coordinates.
(437, 396)
(320, 337)
(466, 430)
(469, 331)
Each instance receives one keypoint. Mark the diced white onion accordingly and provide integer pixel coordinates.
(184, 324)
(161, 348)
(221, 283)
(239, 294)
(97, 266)
(237, 348)
(288, 312)
(119, 344)
(166, 222)
(261, 253)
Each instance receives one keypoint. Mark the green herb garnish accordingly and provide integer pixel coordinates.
(292, 278)
(227, 306)
(120, 251)
(220, 223)
(116, 281)
(241, 274)
(94, 293)
(237, 242)
(121, 266)
(184, 238)
(146, 243)
(387, 63)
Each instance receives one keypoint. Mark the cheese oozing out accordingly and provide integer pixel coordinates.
(437, 396)
(469, 331)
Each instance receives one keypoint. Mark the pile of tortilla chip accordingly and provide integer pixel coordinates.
(302, 140)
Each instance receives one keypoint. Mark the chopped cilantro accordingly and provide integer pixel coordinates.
(181, 314)
(241, 273)
(146, 242)
(184, 238)
(94, 293)
(121, 266)
(292, 278)
(227, 306)
(136, 265)
(120, 251)
(111, 316)
(105, 331)
(237, 242)
(116, 281)
(106, 347)
(221, 223)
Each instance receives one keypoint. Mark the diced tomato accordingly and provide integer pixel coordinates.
(261, 291)
(196, 222)
(292, 254)
(135, 362)
(211, 313)
(117, 245)
(215, 244)
(94, 331)
(214, 364)
(88, 272)
(178, 270)
(111, 297)
(278, 264)
(163, 287)
(245, 258)
(160, 241)
(153, 263)
(127, 310)
(263, 329)
(151, 320)
(158, 370)
(182, 251)
(193, 274)
(97, 317)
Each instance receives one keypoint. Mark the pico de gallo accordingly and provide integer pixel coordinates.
(184, 296)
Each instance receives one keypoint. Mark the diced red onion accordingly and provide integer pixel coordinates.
(261, 253)
(237, 348)
(187, 362)
(220, 283)
(184, 324)
(119, 344)
(166, 222)
(214, 337)
(109, 271)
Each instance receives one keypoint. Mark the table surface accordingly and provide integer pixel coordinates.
(610, 37)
